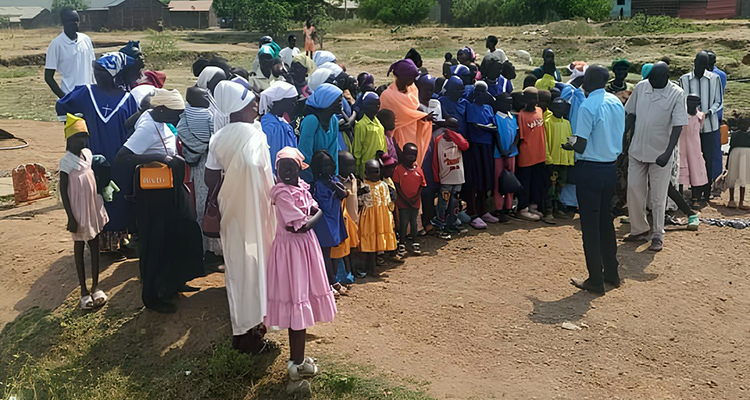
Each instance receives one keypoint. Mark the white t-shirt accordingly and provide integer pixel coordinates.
(73, 59)
(288, 54)
(140, 92)
(498, 54)
(145, 140)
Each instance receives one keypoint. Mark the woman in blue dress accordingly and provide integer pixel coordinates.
(319, 129)
(106, 107)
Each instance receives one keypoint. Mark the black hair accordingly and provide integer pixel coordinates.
(666, 60)
(492, 39)
(199, 65)
(290, 37)
(414, 55)
(316, 165)
(529, 80)
(448, 56)
(239, 71)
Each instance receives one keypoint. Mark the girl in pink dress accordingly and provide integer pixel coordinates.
(298, 291)
(692, 166)
(84, 206)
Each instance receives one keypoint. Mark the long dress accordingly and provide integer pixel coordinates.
(331, 230)
(105, 114)
(248, 224)
(312, 137)
(376, 219)
(410, 124)
(309, 42)
(692, 166)
(298, 291)
(85, 203)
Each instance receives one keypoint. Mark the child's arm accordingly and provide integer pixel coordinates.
(314, 219)
(72, 223)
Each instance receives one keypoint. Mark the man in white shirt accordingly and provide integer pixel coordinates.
(493, 52)
(72, 54)
(288, 53)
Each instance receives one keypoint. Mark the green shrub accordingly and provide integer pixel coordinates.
(395, 11)
(475, 12)
(515, 12)
(641, 24)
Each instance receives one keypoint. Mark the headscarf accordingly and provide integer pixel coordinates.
(425, 81)
(453, 83)
(471, 53)
(132, 49)
(646, 69)
(460, 70)
(115, 62)
(74, 125)
(207, 75)
(324, 96)
(232, 97)
(366, 82)
(319, 77)
(404, 68)
(171, 99)
(153, 78)
(620, 63)
(306, 61)
(278, 90)
(293, 154)
(577, 69)
(369, 98)
(322, 56)
(270, 48)
(335, 68)
(242, 81)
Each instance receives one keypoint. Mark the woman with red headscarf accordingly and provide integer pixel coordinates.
(402, 97)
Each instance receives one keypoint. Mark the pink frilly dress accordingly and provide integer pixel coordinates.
(85, 203)
(692, 166)
(298, 291)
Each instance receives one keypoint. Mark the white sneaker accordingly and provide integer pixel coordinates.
(528, 215)
(534, 210)
(306, 370)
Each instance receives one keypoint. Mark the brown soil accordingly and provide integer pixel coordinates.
(46, 144)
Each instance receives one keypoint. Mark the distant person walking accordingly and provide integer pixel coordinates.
(309, 32)
(71, 54)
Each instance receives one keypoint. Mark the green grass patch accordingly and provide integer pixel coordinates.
(17, 72)
(641, 24)
(67, 354)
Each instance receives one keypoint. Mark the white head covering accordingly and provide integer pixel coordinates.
(278, 90)
(319, 77)
(232, 97)
(333, 67)
(322, 56)
(171, 99)
(206, 75)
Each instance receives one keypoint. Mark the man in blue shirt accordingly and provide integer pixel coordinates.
(597, 142)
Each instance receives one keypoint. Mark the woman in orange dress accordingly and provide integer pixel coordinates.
(308, 31)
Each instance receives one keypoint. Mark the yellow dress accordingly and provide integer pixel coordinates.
(352, 241)
(376, 219)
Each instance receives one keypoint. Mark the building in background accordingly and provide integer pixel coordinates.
(125, 14)
(197, 14)
(621, 9)
(694, 9)
(27, 17)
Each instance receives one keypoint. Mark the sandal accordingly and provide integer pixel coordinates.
(731, 204)
(341, 289)
(744, 207)
(87, 303)
(416, 249)
(100, 298)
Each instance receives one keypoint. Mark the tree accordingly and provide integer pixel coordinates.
(77, 5)
(395, 11)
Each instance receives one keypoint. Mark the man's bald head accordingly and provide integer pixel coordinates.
(596, 77)
(70, 19)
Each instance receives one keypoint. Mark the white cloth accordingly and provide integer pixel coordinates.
(73, 59)
(232, 97)
(206, 75)
(171, 99)
(287, 54)
(277, 91)
(336, 69)
(498, 54)
(141, 91)
(322, 56)
(146, 140)
(712, 97)
(319, 77)
(433, 107)
(248, 223)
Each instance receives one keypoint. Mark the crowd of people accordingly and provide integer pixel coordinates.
(303, 178)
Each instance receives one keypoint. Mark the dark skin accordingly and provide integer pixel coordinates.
(324, 117)
(284, 107)
(372, 174)
(711, 60)
(491, 43)
(75, 144)
(371, 110)
(347, 167)
(324, 168)
(621, 72)
(287, 171)
(70, 21)
(505, 105)
(530, 101)
(292, 41)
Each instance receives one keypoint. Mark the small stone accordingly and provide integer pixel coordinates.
(570, 326)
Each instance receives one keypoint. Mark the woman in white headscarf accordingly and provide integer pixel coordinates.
(208, 79)
(277, 104)
(248, 223)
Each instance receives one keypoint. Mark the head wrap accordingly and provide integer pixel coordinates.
(171, 99)
(74, 125)
(366, 81)
(577, 69)
(404, 68)
(453, 83)
(460, 70)
(481, 84)
(270, 48)
(153, 78)
(319, 77)
(620, 63)
(322, 56)
(293, 154)
(646, 69)
(115, 62)
(132, 49)
(306, 62)
(207, 75)
(232, 97)
(242, 81)
(369, 98)
(324, 96)
(472, 55)
(277, 91)
(425, 81)
(335, 68)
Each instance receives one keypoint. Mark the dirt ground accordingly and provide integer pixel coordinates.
(478, 317)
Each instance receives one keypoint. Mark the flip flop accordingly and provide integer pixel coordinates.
(87, 303)
(100, 298)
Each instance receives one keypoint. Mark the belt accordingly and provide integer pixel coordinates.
(595, 162)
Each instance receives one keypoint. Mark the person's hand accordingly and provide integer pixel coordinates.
(72, 225)
(167, 159)
(663, 159)
(567, 146)
(290, 229)
(430, 116)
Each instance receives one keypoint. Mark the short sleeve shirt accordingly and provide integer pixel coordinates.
(601, 121)
(411, 181)
(532, 149)
(146, 138)
(656, 112)
(73, 59)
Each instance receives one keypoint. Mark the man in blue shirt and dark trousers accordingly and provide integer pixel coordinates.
(597, 142)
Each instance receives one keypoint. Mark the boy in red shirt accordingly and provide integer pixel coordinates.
(532, 154)
(409, 180)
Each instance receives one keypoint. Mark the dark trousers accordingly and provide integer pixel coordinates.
(676, 196)
(594, 201)
(535, 182)
(406, 217)
(428, 205)
(707, 148)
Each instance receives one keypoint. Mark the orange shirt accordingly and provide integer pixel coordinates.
(532, 149)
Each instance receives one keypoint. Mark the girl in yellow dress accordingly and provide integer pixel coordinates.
(376, 219)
